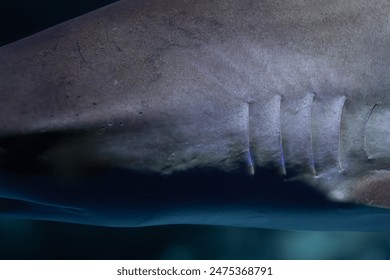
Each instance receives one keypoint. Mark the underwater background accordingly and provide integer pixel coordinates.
(20, 239)
(51, 240)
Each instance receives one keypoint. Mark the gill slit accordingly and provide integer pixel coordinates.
(364, 133)
(312, 163)
(250, 159)
(282, 158)
(341, 169)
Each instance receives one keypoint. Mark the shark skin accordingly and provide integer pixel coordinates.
(271, 114)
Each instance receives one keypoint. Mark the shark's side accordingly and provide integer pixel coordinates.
(257, 113)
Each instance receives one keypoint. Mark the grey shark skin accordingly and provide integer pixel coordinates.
(270, 114)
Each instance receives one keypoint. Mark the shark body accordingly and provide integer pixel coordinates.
(254, 113)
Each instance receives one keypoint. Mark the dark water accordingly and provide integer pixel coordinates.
(22, 18)
(49, 240)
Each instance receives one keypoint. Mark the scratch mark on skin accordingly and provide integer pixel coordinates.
(80, 53)
(365, 137)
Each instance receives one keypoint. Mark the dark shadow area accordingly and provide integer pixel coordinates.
(102, 195)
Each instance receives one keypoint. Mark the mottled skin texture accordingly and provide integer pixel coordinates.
(250, 113)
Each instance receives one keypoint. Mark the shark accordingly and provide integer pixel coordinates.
(253, 113)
